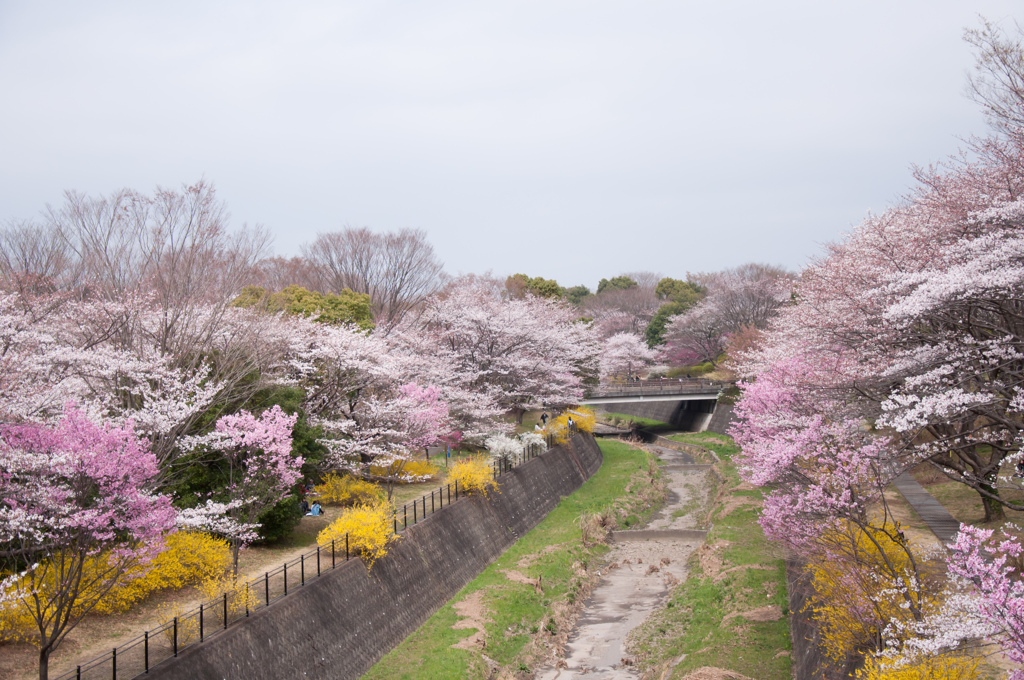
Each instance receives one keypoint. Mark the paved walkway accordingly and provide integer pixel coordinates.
(931, 511)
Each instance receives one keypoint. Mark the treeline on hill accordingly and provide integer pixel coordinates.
(690, 325)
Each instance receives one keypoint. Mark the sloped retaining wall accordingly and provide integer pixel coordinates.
(809, 662)
(340, 624)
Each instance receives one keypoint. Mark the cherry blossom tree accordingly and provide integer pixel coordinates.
(739, 298)
(624, 354)
(260, 470)
(380, 438)
(992, 567)
(525, 351)
(77, 515)
(624, 304)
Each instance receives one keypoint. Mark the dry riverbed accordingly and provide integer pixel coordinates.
(643, 567)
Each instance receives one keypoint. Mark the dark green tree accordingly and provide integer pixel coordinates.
(519, 285)
(576, 294)
(329, 308)
(679, 296)
(617, 283)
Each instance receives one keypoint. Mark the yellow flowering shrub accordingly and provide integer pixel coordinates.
(945, 667)
(16, 624)
(423, 470)
(856, 597)
(347, 490)
(370, 527)
(240, 596)
(474, 475)
(583, 417)
(189, 557)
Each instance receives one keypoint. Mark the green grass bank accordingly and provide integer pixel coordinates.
(521, 605)
(731, 612)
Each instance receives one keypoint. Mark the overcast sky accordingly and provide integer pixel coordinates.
(574, 140)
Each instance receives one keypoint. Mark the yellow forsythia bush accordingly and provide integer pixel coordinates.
(16, 624)
(945, 667)
(347, 490)
(473, 475)
(190, 557)
(424, 471)
(370, 527)
(582, 416)
(854, 599)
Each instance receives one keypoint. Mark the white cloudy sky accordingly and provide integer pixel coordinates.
(574, 140)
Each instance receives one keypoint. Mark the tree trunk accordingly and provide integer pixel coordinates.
(235, 547)
(44, 663)
(993, 508)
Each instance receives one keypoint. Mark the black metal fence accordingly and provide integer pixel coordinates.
(136, 657)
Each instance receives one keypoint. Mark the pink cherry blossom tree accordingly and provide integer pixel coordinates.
(261, 469)
(624, 354)
(77, 515)
(526, 351)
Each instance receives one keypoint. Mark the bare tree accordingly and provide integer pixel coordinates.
(748, 295)
(397, 270)
(277, 273)
(34, 258)
(625, 310)
(997, 83)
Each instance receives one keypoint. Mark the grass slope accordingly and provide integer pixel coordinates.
(737, 571)
(520, 615)
(625, 418)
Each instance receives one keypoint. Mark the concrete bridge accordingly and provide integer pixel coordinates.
(688, 404)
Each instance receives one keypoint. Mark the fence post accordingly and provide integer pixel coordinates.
(302, 570)
(346, 547)
(285, 578)
(175, 636)
(317, 559)
(266, 585)
(113, 663)
(200, 622)
(431, 504)
(225, 610)
(414, 512)
(405, 516)
(450, 494)
(334, 562)
(247, 600)
(145, 651)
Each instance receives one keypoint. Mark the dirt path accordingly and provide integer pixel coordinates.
(643, 567)
(97, 634)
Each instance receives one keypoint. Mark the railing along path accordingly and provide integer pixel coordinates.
(137, 656)
(623, 388)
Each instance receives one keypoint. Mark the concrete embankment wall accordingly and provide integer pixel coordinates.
(340, 624)
(809, 662)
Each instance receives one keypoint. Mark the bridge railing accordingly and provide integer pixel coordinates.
(619, 388)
